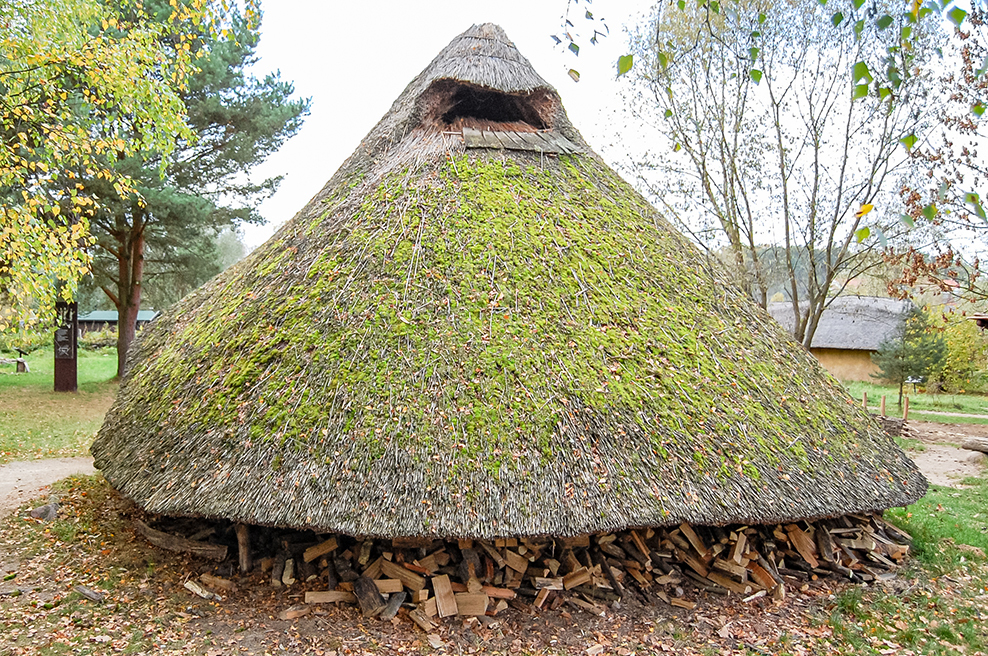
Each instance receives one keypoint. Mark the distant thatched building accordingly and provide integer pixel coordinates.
(477, 329)
(850, 330)
(104, 319)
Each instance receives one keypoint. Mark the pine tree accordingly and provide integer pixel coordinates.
(914, 351)
(168, 235)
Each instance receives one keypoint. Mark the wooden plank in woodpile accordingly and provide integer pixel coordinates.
(803, 544)
(585, 605)
(410, 579)
(388, 586)
(368, 597)
(429, 607)
(411, 543)
(470, 603)
(738, 550)
(864, 544)
(543, 583)
(330, 597)
(445, 600)
(579, 577)
(429, 564)
(731, 568)
(729, 583)
(499, 593)
(515, 561)
(694, 539)
(761, 576)
(394, 603)
(374, 570)
(421, 620)
(493, 553)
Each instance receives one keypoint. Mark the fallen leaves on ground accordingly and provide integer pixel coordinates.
(147, 609)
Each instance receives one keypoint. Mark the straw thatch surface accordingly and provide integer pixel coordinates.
(852, 322)
(484, 343)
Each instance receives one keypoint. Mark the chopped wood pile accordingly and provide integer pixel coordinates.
(434, 579)
(892, 425)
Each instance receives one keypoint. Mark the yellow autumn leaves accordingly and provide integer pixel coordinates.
(79, 86)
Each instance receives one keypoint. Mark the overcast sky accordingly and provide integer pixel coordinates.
(354, 59)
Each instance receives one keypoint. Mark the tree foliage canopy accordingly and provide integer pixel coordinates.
(202, 186)
(69, 69)
(768, 144)
(915, 351)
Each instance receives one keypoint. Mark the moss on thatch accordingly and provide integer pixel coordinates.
(484, 343)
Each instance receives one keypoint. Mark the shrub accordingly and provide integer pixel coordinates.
(965, 367)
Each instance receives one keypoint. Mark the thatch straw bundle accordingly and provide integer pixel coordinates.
(484, 343)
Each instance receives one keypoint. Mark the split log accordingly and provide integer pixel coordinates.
(321, 549)
(216, 583)
(394, 603)
(368, 596)
(243, 547)
(445, 601)
(169, 542)
(976, 444)
(469, 603)
(330, 597)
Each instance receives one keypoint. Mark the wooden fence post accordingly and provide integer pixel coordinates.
(883, 405)
(905, 409)
(864, 400)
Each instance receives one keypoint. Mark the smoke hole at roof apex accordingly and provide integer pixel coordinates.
(468, 103)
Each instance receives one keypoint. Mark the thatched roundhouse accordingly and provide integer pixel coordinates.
(477, 329)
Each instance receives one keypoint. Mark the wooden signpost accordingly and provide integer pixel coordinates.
(66, 379)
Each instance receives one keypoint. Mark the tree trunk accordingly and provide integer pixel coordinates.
(902, 384)
(131, 276)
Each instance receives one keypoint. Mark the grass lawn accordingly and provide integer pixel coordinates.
(972, 404)
(940, 609)
(36, 422)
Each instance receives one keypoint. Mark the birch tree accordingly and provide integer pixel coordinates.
(782, 137)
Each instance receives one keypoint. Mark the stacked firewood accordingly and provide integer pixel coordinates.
(434, 579)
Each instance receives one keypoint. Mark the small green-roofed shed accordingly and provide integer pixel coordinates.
(478, 329)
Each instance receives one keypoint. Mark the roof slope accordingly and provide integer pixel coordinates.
(484, 343)
(852, 322)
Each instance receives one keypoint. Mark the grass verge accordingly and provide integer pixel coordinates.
(938, 607)
(36, 422)
(918, 402)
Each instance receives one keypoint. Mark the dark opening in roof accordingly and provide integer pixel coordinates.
(452, 104)
(473, 103)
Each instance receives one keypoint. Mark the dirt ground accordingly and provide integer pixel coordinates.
(941, 460)
(145, 607)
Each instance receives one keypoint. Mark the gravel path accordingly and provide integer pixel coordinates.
(25, 480)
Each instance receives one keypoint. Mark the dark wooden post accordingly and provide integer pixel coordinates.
(66, 378)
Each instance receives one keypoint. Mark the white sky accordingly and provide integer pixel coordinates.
(355, 58)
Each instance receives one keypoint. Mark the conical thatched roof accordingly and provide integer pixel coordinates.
(483, 342)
